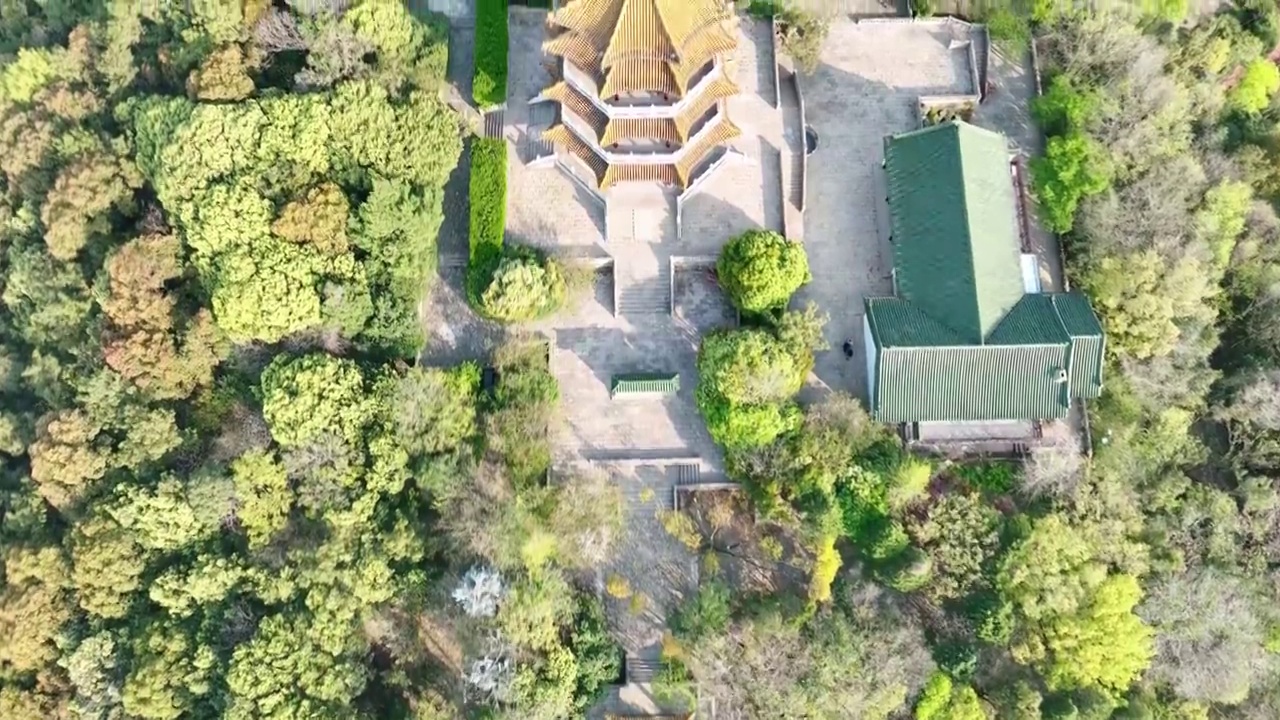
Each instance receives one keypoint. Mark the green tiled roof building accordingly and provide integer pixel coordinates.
(968, 336)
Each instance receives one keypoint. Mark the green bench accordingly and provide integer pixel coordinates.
(644, 384)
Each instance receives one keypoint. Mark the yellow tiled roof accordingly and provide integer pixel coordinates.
(722, 132)
(656, 129)
(643, 173)
(580, 105)
(716, 91)
(642, 45)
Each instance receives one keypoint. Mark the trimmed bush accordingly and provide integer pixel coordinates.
(490, 82)
(515, 284)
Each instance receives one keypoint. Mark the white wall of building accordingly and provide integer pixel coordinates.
(870, 346)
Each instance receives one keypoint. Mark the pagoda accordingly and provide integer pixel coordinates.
(641, 87)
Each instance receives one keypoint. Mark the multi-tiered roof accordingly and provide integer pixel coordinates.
(642, 85)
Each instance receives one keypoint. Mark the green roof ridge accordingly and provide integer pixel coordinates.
(959, 266)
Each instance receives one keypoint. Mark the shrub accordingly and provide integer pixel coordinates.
(996, 477)
(490, 82)
(1008, 27)
(488, 198)
(617, 587)
(909, 481)
(524, 284)
(760, 270)
(825, 567)
(706, 614)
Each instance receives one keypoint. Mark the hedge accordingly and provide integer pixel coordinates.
(488, 210)
(490, 83)
(488, 195)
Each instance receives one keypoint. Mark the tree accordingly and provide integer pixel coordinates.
(84, 191)
(959, 533)
(435, 409)
(66, 457)
(1076, 621)
(480, 592)
(1072, 168)
(943, 700)
(106, 566)
(222, 76)
(281, 673)
(1209, 635)
(318, 218)
(748, 367)
(171, 672)
(857, 658)
(308, 396)
(760, 270)
(35, 602)
(587, 519)
(1252, 93)
(535, 609)
(263, 495)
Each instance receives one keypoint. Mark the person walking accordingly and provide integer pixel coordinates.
(848, 349)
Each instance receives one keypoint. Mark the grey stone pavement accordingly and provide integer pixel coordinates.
(865, 88)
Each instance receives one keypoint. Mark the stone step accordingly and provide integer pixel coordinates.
(661, 500)
(795, 193)
(494, 120)
(688, 474)
(452, 261)
(642, 670)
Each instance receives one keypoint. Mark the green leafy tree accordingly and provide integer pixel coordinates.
(748, 367)
(318, 218)
(312, 395)
(170, 673)
(435, 410)
(222, 76)
(1076, 621)
(760, 270)
(1253, 91)
(1072, 168)
(264, 497)
(281, 674)
(106, 566)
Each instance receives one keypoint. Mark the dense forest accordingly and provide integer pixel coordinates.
(228, 491)
(1138, 582)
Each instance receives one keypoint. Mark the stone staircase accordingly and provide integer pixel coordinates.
(642, 283)
(688, 474)
(647, 498)
(795, 184)
(642, 670)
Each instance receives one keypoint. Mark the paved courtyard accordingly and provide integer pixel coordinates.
(866, 87)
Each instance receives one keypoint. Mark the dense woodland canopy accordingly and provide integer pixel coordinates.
(226, 490)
